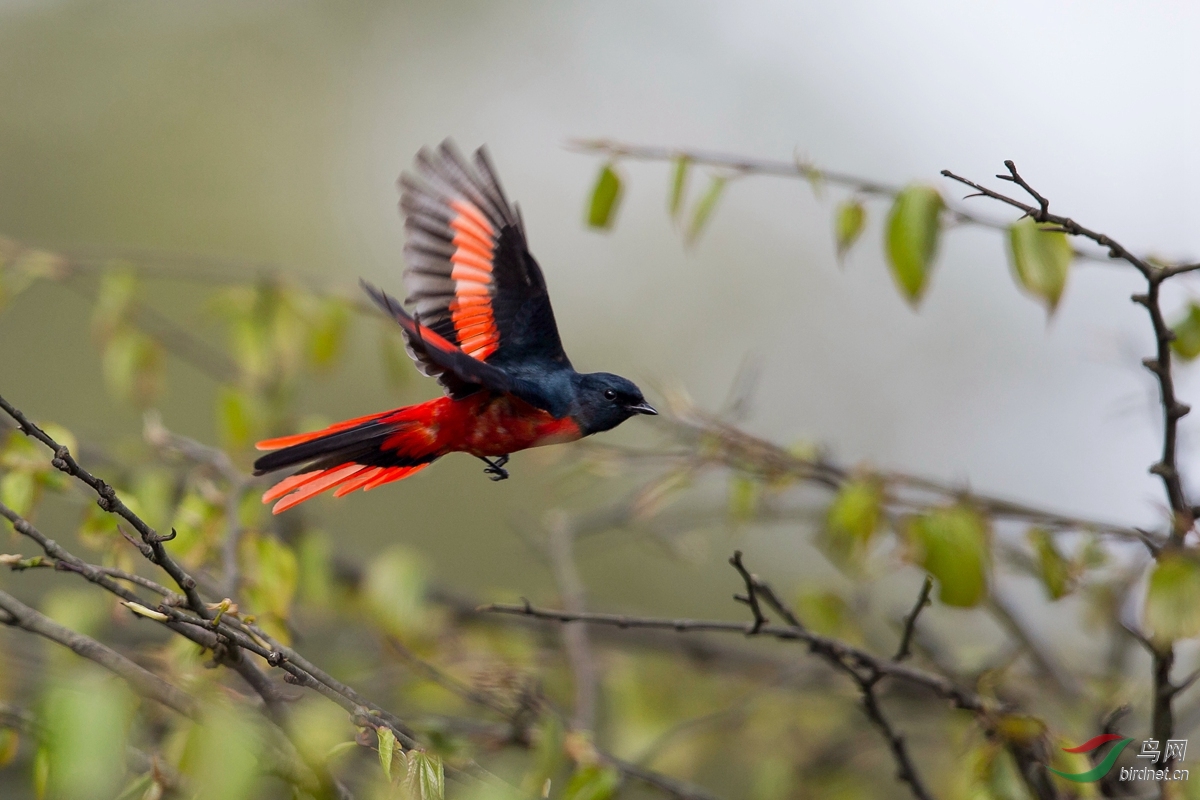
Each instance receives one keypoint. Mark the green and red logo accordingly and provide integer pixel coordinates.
(1100, 770)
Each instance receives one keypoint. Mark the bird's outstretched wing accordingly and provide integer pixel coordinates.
(470, 278)
(457, 367)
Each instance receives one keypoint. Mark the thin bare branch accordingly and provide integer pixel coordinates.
(910, 621)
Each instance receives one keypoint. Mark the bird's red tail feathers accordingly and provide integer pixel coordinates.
(361, 453)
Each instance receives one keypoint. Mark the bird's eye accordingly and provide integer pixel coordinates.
(609, 394)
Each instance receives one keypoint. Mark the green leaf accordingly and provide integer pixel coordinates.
(854, 516)
(327, 332)
(848, 223)
(825, 612)
(426, 778)
(913, 226)
(395, 591)
(10, 743)
(318, 728)
(1040, 260)
(221, 756)
(1187, 334)
(18, 491)
(114, 301)
(952, 545)
(87, 722)
(743, 496)
(41, 772)
(592, 782)
(272, 573)
(1054, 570)
(237, 416)
(387, 749)
(548, 754)
(133, 367)
(1173, 598)
(679, 176)
(606, 196)
(704, 208)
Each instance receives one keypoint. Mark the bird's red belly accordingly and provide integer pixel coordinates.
(498, 425)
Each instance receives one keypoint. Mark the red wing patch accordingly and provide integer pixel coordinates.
(471, 309)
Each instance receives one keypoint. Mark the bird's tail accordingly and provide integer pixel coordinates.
(360, 453)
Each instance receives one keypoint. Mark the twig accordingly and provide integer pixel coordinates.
(112, 503)
(942, 687)
(750, 598)
(793, 169)
(866, 681)
(156, 434)
(910, 621)
(1166, 468)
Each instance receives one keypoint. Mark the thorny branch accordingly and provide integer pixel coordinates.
(866, 680)
(865, 669)
(228, 636)
(910, 621)
(800, 169)
(1183, 514)
(709, 439)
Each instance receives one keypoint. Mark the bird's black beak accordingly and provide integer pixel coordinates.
(643, 408)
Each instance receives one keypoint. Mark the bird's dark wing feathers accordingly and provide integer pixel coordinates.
(470, 278)
(454, 362)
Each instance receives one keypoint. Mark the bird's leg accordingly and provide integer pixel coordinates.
(496, 468)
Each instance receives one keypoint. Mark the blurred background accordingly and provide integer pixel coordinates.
(227, 138)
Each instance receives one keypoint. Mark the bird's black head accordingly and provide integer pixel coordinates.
(603, 401)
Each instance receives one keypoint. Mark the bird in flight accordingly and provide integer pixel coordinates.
(481, 323)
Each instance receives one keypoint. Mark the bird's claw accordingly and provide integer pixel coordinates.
(495, 469)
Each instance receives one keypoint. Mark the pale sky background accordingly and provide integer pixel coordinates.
(274, 131)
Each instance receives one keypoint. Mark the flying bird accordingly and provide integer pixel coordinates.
(481, 323)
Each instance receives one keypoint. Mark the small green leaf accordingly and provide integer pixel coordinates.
(41, 772)
(1054, 570)
(704, 208)
(327, 332)
(237, 416)
(221, 757)
(18, 491)
(592, 782)
(848, 223)
(913, 227)
(87, 721)
(952, 545)
(1187, 334)
(133, 366)
(387, 749)
(1040, 260)
(426, 778)
(395, 591)
(114, 301)
(1173, 598)
(743, 496)
(606, 196)
(851, 521)
(10, 743)
(548, 754)
(857, 510)
(272, 572)
(679, 176)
